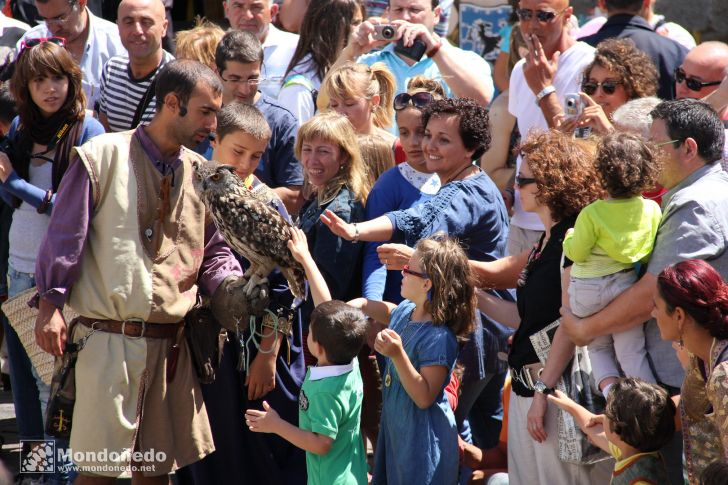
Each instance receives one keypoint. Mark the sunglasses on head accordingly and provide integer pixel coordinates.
(608, 87)
(406, 270)
(543, 16)
(692, 83)
(30, 43)
(522, 181)
(418, 100)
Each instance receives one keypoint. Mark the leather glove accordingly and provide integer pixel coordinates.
(230, 304)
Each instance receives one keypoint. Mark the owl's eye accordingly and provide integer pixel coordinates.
(215, 177)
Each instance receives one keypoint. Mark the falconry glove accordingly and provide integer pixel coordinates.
(233, 306)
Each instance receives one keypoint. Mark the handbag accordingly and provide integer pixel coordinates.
(577, 382)
(22, 318)
(205, 338)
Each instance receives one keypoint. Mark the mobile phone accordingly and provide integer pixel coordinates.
(384, 32)
(414, 52)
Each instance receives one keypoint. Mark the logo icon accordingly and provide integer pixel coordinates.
(37, 456)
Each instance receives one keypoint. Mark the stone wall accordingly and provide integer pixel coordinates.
(706, 18)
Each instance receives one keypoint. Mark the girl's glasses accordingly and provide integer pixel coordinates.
(608, 87)
(30, 43)
(406, 270)
(418, 100)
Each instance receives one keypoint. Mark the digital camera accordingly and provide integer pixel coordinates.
(384, 32)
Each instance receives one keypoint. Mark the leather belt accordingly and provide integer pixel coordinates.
(133, 327)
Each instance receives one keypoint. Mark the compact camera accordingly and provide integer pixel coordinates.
(573, 105)
(384, 32)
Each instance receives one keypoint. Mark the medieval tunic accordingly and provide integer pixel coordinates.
(138, 252)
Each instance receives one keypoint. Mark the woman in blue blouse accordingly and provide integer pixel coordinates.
(468, 207)
(401, 187)
(46, 85)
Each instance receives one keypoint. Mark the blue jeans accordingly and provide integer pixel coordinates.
(30, 393)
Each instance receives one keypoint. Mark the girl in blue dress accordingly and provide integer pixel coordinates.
(418, 441)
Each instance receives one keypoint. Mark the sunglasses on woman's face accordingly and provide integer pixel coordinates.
(543, 16)
(30, 43)
(418, 100)
(406, 270)
(522, 181)
(692, 83)
(608, 87)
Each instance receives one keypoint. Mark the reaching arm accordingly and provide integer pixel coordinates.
(590, 423)
(379, 229)
(500, 274)
(381, 311)
(268, 421)
(316, 282)
(498, 309)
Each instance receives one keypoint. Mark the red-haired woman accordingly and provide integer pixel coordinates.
(691, 308)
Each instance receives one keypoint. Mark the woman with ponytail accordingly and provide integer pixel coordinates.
(691, 308)
(364, 94)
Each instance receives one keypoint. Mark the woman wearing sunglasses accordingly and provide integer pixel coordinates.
(539, 275)
(468, 207)
(52, 119)
(619, 73)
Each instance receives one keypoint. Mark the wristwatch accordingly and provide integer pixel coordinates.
(542, 388)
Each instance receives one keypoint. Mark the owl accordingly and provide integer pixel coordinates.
(249, 224)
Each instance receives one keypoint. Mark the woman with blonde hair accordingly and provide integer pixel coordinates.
(364, 94)
(334, 180)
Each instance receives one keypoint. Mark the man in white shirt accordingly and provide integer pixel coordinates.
(278, 46)
(463, 74)
(539, 82)
(89, 39)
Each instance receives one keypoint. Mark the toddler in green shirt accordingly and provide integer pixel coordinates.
(610, 236)
(329, 405)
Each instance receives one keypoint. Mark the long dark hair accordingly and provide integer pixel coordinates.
(324, 32)
(46, 59)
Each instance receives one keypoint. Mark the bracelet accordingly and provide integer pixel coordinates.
(432, 52)
(356, 233)
(279, 323)
(544, 92)
(46, 202)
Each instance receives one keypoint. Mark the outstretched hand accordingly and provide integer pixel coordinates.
(338, 226)
(298, 245)
(264, 421)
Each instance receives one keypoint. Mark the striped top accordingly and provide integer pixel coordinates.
(121, 94)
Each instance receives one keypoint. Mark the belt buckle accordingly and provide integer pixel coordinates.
(134, 320)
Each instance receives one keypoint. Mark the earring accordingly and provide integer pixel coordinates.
(681, 343)
(341, 167)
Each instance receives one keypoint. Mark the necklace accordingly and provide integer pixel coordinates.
(470, 165)
(388, 377)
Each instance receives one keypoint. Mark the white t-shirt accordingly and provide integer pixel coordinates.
(296, 97)
(522, 105)
(278, 50)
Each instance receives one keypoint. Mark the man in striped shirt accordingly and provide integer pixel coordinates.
(127, 93)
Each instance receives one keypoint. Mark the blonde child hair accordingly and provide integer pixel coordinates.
(352, 80)
(200, 42)
(335, 128)
(452, 300)
(377, 154)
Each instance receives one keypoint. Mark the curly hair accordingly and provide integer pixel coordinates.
(564, 171)
(641, 414)
(474, 123)
(633, 67)
(453, 301)
(626, 164)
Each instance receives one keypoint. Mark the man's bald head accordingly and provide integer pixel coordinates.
(142, 25)
(706, 63)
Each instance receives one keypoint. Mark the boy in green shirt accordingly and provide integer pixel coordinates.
(610, 236)
(329, 405)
